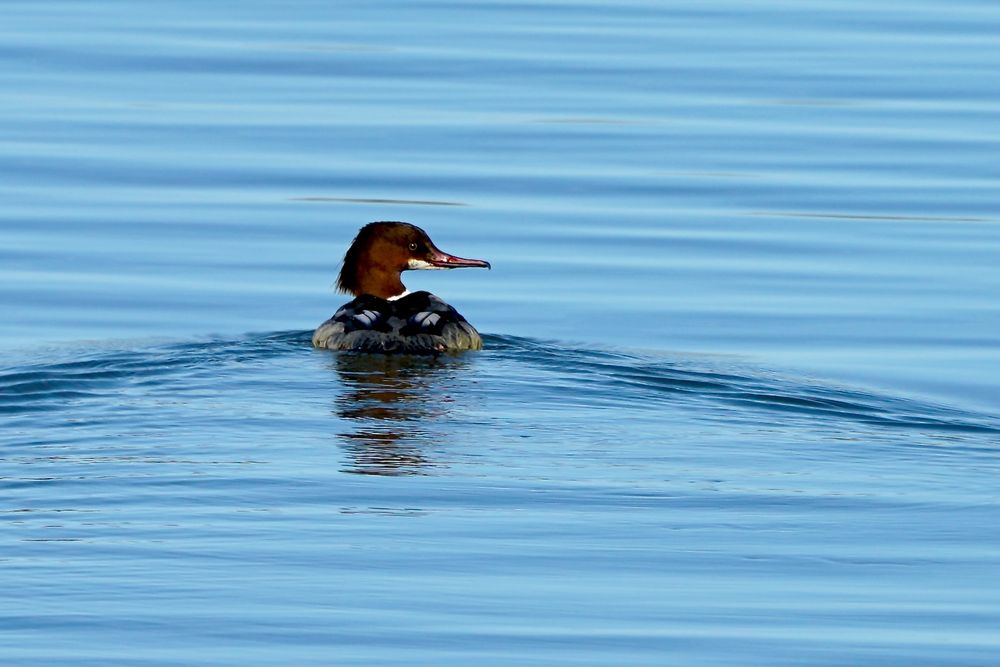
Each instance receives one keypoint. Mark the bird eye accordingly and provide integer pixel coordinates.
(413, 246)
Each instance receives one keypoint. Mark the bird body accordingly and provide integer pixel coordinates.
(384, 317)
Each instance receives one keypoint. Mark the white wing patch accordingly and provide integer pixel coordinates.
(366, 317)
(426, 319)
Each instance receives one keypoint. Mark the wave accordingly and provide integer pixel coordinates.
(647, 378)
(79, 374)
(716, 389)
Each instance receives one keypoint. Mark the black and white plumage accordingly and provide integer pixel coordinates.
(384, 317)
(418, 323)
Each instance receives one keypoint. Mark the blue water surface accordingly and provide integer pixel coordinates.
(738, 403)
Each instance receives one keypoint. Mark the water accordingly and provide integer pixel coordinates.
(738, 403)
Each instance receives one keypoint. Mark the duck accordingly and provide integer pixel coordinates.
(384, 317)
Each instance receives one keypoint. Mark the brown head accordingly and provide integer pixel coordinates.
(383, 250)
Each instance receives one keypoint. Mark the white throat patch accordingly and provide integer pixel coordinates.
(421, 264)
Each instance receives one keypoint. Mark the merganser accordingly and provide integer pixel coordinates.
(385, 317)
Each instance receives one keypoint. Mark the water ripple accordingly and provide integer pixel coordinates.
(596, 377)
(638, 378)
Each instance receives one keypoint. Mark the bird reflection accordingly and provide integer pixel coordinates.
(394, 403)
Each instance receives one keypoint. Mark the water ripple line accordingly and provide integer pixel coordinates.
(650, 379)
(598, 377)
